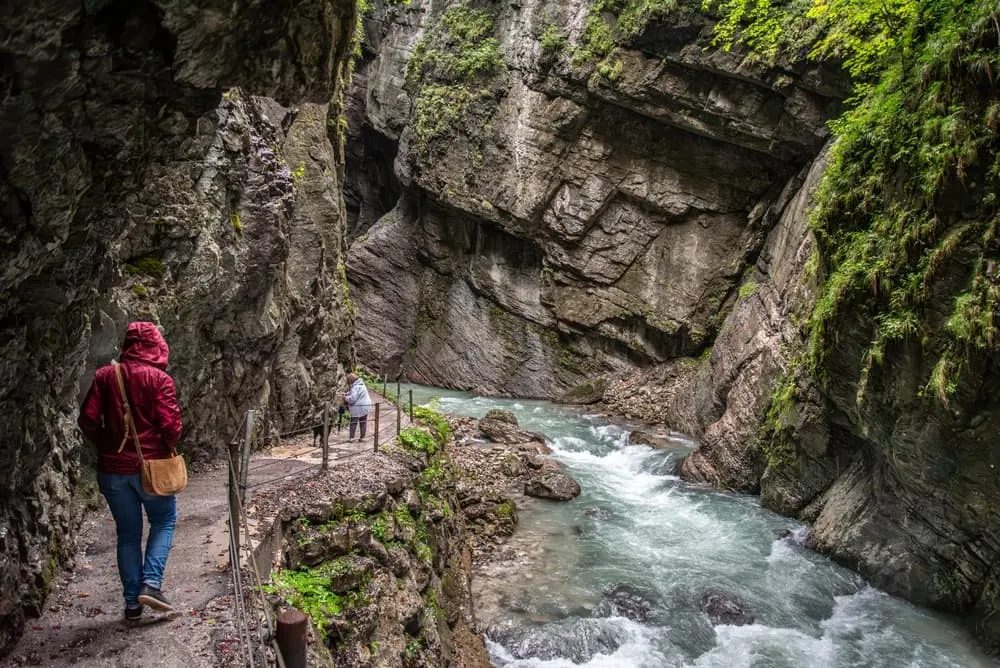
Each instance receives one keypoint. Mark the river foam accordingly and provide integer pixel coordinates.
(638, 528)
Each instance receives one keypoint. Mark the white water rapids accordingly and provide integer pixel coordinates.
(667, 543)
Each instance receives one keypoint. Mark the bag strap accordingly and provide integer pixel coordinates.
(126, 414)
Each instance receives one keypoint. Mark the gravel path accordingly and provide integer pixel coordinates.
(82, 624)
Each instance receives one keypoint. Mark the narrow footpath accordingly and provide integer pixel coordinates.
(82, 624)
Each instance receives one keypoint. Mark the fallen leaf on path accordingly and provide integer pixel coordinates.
(83, 594)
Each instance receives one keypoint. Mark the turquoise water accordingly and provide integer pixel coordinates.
(669, 543)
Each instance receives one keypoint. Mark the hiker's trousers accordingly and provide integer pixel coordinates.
(126, 500)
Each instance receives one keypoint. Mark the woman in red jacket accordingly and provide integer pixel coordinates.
(157, 419)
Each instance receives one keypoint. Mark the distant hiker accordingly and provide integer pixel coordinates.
(157, 422)
(358, 403)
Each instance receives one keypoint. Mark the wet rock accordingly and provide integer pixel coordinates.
(553, 485)
(627, 601)
(639, 437)
(724, 609)
(598, 513)
(501, 415)
(502, 431)
(588, 392)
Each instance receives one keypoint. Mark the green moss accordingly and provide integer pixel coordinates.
(773, 442)
(237, 223)
(140, 290)
(748, 289)
(148, 265)
(440, 107)
(553, 41)
(449, 71)
(912, 147)
(614, 23)
(506, 510)
(461, 47)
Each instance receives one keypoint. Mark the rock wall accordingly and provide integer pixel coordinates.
(560, 220)
(132, 188)
(378, 551)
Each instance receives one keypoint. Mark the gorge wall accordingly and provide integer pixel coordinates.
(137, 183)
(559, 219)
(555, 203)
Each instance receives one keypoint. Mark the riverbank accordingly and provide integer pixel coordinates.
(644, 569)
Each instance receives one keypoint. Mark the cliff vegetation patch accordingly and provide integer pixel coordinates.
(449, 70)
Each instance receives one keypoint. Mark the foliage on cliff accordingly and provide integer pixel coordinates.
(909, 197)
(449, 70)
(911, 192)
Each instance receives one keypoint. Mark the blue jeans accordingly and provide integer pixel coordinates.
(126, 499)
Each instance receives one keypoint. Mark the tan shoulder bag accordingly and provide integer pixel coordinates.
(160, 477)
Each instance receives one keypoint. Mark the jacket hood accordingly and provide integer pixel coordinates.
(144, 343)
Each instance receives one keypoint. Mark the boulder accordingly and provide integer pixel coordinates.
(724, 609)
(588, 392)
(552, 484)
(503, 431)
(624, 600)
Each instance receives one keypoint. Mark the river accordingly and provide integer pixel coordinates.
(666, 544)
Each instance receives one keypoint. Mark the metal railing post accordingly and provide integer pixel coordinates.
(245, 459)
(326, 436)
(234, 504)
(376, 427)
(291, 636)
(411, 406)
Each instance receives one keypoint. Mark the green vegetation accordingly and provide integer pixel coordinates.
(613, 23)
(148, 265)
(309, 590)
(449, 69)
(237, 223)
(774, 444)
(458, 49)
(906, 213)
(910, 191)
(140, 290)
(553, 41)
(414, 438)
(748, 289)
(438, 424)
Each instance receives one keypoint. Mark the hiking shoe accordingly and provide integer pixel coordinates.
(133, 613)
(155, 599)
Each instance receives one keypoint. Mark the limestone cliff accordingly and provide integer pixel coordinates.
(561, 208)
(131, 188)
(556, 217)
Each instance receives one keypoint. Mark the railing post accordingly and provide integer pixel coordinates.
(376, 427)
(399, 411)
(326, 436)
(234, 504)
(411, 406)
(245, 460)
(291, 636)
(385, 379)
(399, 397)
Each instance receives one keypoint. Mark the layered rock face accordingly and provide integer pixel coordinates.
(558, 221)
(132, 188)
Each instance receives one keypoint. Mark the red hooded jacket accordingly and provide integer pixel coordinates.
(151, 396)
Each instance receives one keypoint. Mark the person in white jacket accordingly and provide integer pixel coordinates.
(359, 403)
